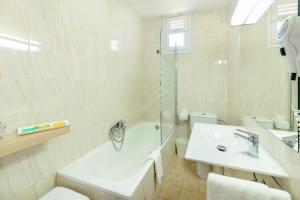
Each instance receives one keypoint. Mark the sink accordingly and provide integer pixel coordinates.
(205, 139)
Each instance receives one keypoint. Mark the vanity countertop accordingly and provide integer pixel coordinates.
(203, 144)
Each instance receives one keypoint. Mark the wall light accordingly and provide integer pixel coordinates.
(249, 11)
(19, 44)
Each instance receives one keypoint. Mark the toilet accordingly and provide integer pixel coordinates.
(206, 118)
(201, 117)
(265, 122)
(61, 193)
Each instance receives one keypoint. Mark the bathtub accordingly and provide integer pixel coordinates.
(116, 174)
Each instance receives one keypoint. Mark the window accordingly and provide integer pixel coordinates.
(177, 33)
(280, 10)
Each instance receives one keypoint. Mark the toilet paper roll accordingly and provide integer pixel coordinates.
(183, 115)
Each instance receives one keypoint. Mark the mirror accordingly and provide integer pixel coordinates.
(266, 90)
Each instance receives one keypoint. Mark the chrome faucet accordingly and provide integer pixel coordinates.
(253, 140)
(3, 128)
(117, 134)
(291, 141)
(120, 124)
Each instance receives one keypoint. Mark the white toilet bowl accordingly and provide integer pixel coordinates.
(60, 193)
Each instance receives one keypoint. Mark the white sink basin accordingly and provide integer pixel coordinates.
(203, 144)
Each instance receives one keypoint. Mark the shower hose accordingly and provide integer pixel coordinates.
(117, 137)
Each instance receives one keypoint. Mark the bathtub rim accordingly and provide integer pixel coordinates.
(105, 189)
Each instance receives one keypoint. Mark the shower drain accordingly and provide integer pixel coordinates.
(222, 148)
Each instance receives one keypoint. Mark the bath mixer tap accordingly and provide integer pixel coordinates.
(117, 134)
(120, 124)
(253, 140)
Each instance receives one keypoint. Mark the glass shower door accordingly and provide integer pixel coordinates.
(168, 95)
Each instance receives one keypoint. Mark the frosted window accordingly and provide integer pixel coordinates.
(177, 34)
(176, 39)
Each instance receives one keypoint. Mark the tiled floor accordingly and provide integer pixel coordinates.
(182, 182)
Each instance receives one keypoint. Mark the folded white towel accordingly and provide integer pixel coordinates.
(279, 195)
(156, 157)
(227, 188)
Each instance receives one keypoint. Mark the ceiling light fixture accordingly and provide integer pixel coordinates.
(249, 11)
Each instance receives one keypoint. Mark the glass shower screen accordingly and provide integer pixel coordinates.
(168, 92)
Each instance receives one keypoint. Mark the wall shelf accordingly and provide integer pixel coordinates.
(12, 143)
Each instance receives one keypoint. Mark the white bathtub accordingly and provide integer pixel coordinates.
(117, 172)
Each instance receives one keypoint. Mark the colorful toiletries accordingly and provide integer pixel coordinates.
(42, 127)
(28, 130)
(59, 124)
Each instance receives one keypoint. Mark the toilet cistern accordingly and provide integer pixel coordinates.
(253, 141)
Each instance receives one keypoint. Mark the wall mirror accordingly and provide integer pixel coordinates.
(267, 93)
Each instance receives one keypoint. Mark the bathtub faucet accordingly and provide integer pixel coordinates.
(120, 124)
(117, 134)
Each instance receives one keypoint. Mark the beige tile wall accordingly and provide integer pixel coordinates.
(233, 73)
(74, 76)
(202, 84)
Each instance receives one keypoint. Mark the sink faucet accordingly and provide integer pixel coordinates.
(291, 141)
(253, 140)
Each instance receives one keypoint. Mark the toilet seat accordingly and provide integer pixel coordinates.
(60, 193)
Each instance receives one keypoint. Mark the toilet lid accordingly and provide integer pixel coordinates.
(60, 193)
